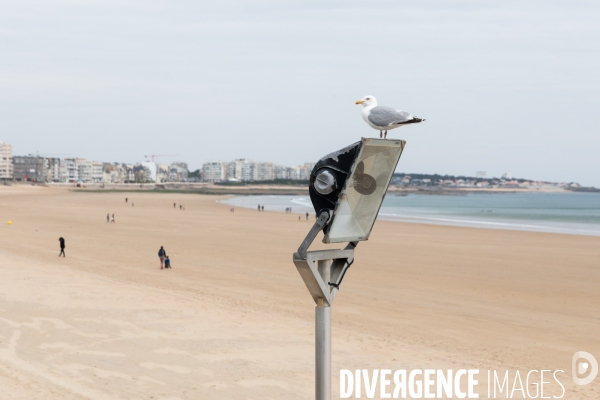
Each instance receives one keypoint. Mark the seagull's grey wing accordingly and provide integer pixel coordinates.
(385, 116)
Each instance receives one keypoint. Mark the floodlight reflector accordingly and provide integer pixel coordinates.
(364, 190)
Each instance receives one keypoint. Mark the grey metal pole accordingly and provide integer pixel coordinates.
(323, 339)
(322, 351)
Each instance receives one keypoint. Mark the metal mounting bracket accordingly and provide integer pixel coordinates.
(323, 270)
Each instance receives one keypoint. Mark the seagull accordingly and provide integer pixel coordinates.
(383, 118)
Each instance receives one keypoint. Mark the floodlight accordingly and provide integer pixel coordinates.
(346, 189)
(350, 184)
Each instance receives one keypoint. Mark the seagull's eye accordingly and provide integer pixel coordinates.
(368, 98)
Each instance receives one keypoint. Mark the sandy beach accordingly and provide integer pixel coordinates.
(233, 320)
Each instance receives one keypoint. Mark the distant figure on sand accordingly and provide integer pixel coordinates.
(231, 210)
(132, 204)
(125, 199)
(174, 205)
(259, 207)
(107, 218)
(167, 262)
(112, 221)
(62, 247)
(262, 208)
(299, 218)
(307, 216)
(180, 206)
(162, 254)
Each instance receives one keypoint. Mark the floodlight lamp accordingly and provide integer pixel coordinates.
(349, 185)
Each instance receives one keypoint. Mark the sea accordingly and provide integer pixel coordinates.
(568, 213)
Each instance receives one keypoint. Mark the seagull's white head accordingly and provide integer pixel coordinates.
(367, 101)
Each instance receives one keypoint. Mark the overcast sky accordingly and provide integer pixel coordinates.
(505, 86)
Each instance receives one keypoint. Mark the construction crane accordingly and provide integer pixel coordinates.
(151, 156)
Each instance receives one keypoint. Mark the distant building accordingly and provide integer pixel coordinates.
(152, 168)
(215, 171)
(141, 173)
(282, 172)
(29, 168)
(69, 171)
(178, 172)
(89, 171)
(162, 173)
(264, 171)
(53, 170)
(6, 161)
(507, 175)
(302, 172)
(241, 169)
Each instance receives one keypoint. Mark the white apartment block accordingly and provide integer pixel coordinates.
(264, 171)
(241, 169)
(89, 171)
(152, 171)
(6, 167)
(215, 171)
(69, 172)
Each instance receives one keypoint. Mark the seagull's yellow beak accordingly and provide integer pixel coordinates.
(359, 102)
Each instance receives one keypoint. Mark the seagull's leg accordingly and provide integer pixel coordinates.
(380, 134)
(385, 135)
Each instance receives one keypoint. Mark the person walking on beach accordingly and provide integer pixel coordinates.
(125, 200)
(307, 216)
(107, 218)
(112, 221)
(259, 208)
(174, 205)
(167, 262)
(62, 246)
(262, 208)
(162, 254)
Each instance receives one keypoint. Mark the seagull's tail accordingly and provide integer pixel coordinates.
(414, 120)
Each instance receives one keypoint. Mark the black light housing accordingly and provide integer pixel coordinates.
(338, 164)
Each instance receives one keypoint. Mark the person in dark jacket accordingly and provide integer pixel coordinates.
(167, 262)
(62, 247)
(162, 254)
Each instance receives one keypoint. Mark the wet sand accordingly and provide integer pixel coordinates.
(233, 319)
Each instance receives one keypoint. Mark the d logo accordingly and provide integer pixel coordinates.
(581, 367)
